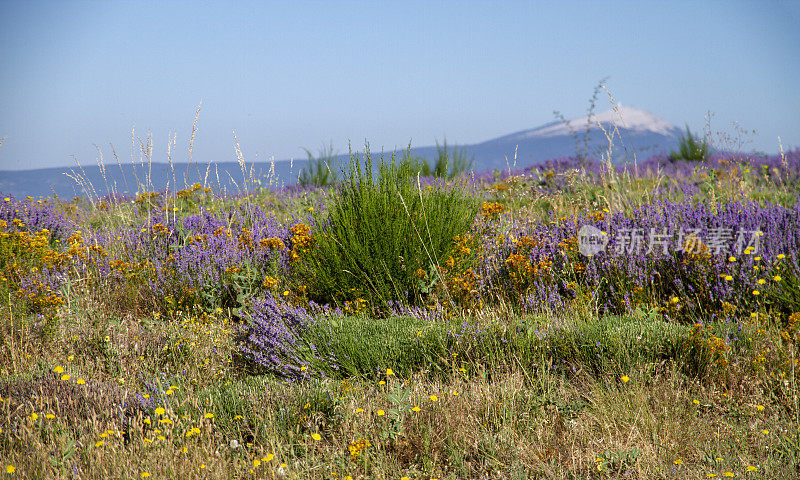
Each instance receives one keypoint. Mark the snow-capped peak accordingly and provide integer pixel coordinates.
(624, 117)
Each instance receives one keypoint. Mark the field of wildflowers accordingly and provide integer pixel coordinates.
(570, 320)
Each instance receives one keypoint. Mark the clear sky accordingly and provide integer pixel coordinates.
(286, 75)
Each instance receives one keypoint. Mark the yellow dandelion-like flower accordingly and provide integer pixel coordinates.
(405, 478)
(184, 450)
(416, 409)
(71, 358)
(65, 377)
(98, 444)
(348, 477)
(731, 259)
(359, 410)
(303, 368)
(144, 475)
(50, 416)
(696, 401)
(168, 392)
(625, 379)
(389, 372)
(268, 458)
(760, 407)
(777, 278)
(751, 468)
(59, 369)
(678, 461)
(316, 436)
(160, 411)
(382, 382)
(761, 281)
(781, 256)
(238, 417)
(434, 398)
(256, 462)
(81, 381)
(756, 293)
(33, 416)
(381, 413)
(765, 431)
(10, 468)
(209, 415)
(728, 474)
(711, 475)
(728, 278)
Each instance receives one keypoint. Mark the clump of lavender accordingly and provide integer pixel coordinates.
(269, 338)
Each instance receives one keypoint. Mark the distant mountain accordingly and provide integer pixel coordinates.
(638, 133)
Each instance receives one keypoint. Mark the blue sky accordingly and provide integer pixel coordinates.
(287, 75)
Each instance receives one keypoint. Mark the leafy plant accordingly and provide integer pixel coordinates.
(690, 148)
(379, 233)
(320, 171)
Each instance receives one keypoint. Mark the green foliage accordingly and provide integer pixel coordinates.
(354, 346)
(379, 232)
(320, 171)
(690, 148)
(448, 164)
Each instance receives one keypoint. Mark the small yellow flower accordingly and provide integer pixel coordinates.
(756, 292)
(71, 358)
(765, 431)
(416, 409)
(10, 468)
(160, 411)
(761, 281)
(33, 416)
(209, 415)
(59, 369)
(696, 401)
(777, 278)
(751, 468)
(625, 379)
(781, 256)
(81, 381)
(238, 417)
(711, 475)
(731, 259)
(303, 368)
(728, 278)
(65, 377)
(50, 416)
(168, 392)
(316, 436)
(728, 474)
(256, 462)
(389, 372)
(381, 413)
(760, 407)
(98, 444)
(434, 398)
(678, 462)
(382, 382)
(145, 475)
(359, 410)
(268, 458)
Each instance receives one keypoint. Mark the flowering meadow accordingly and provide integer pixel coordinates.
(575, 319)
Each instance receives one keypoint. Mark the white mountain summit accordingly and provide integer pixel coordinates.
(629, 118)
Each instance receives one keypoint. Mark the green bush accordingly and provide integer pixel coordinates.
(381, 231)
(690, 148)
(321, 170)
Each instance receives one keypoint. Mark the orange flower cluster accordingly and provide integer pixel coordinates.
(492, 210)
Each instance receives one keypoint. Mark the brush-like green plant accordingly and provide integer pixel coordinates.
(380, 232)
(448, 164)
(320, 170)
(690, 148)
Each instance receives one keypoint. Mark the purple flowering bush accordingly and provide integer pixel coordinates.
(270, 338)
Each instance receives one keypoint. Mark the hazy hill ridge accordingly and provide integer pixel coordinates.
(639, 133)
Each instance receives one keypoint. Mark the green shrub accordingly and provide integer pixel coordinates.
(321, 170)
(380, 232)
(690, 148)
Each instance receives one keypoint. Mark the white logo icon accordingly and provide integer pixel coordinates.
(591, 240)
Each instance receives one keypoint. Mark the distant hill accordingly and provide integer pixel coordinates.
(639, 133)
